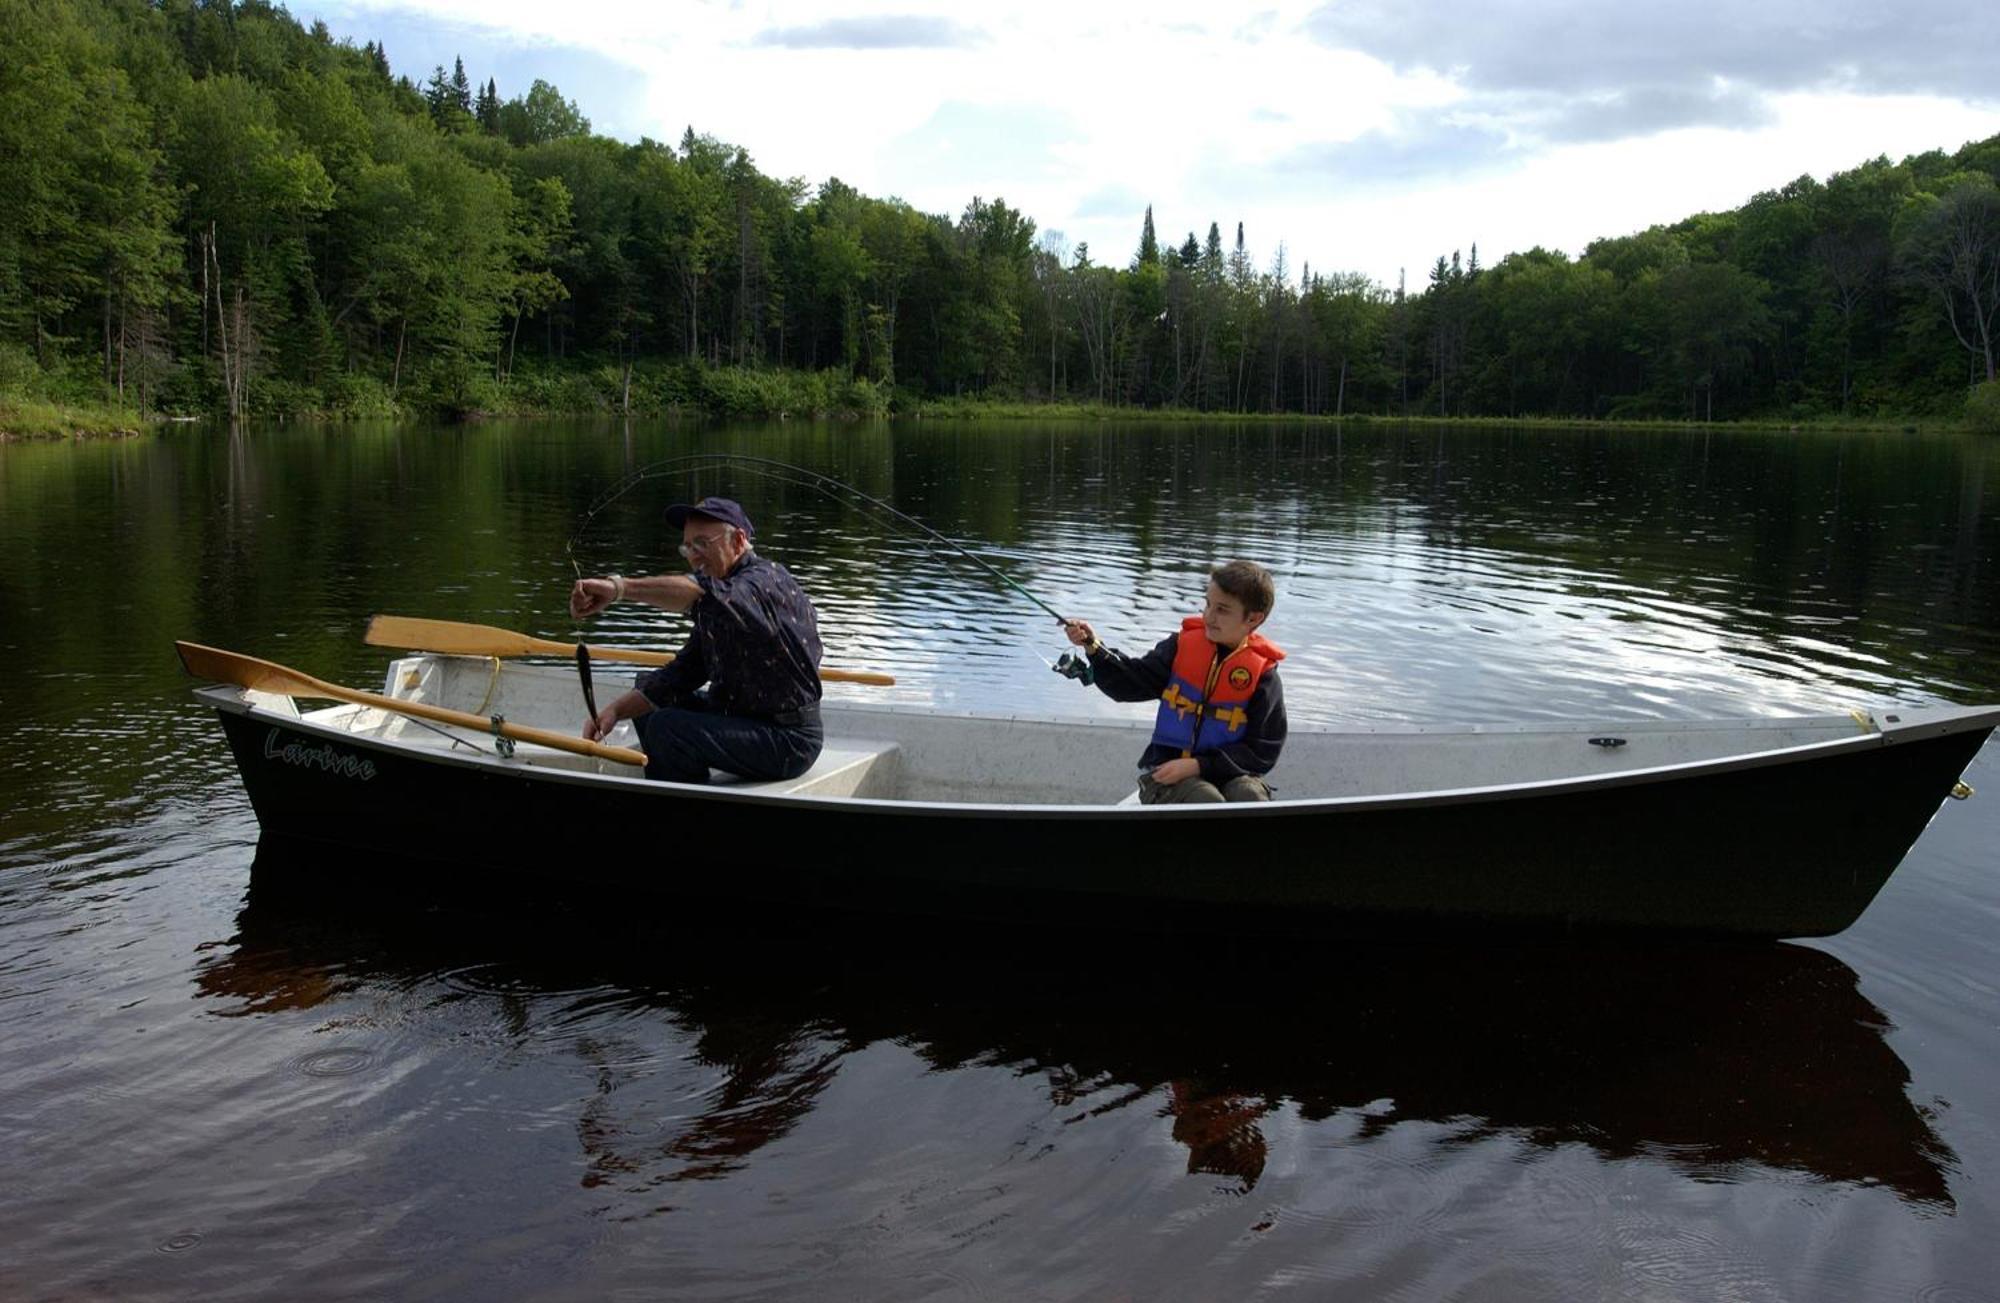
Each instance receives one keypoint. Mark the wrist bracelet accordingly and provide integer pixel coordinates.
(617, 588)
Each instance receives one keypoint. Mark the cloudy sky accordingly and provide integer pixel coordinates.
(1365, 135)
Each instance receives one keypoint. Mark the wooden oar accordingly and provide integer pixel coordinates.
(220, 666)
(450, 638)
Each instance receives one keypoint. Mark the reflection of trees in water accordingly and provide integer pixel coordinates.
(1713, 1061)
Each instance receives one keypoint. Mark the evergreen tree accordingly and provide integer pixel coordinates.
(1149, 245)
(438, 94)
(487, 110)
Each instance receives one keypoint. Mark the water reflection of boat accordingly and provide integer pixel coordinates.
(1718, 1061)
(1764, 827)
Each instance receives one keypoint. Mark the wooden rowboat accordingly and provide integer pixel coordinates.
(1764, 827)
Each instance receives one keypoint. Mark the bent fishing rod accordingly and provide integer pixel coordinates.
(800, 476)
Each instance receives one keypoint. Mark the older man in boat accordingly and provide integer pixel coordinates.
(742, 695)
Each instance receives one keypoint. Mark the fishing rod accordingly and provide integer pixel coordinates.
(800, 476)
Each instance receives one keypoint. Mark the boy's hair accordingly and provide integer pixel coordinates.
(1247, 582)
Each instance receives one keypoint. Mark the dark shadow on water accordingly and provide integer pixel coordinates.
(1719, 1061)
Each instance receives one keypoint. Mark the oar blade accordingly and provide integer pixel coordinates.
(449, 637)
(219, 666)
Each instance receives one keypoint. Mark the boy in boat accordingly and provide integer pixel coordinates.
(1221, 722)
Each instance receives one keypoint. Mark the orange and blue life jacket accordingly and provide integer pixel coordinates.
(1203, 706)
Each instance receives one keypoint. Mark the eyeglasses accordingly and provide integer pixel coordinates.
(694, 545)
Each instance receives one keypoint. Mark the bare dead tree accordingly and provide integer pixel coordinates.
(1953, 252)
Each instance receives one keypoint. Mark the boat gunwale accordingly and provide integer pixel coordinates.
(1933, 721)
(846, 705)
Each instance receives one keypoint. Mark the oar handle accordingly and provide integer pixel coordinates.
(639, 656)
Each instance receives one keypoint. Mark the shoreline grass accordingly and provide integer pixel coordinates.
(693, 395)
(1007, 410)
(23, 417)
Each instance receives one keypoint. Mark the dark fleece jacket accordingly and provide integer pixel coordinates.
(1125, 678)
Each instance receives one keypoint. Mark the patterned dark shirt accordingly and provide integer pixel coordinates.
(755, 644)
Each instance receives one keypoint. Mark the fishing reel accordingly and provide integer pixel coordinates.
(1072, 666)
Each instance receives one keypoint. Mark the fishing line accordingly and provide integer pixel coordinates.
(694, 464)
(798, 476)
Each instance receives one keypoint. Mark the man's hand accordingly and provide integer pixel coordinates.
(590, 596)
(1080, 633)
(1177, 770)
(606, 720)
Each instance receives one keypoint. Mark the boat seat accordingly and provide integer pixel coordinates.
(847, 767)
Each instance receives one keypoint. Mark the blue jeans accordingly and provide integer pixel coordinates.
(682, 743)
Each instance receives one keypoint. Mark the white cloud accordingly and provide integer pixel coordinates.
(878, 32)
(1367, 158)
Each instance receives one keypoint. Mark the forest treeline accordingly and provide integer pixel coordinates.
(207, 206)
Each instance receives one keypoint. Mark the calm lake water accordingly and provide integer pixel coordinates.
(207, 1092)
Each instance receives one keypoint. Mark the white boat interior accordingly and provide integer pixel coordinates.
(913, 753)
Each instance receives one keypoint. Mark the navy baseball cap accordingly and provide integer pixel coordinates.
(719, 509)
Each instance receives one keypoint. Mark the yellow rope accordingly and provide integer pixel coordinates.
(492, 682)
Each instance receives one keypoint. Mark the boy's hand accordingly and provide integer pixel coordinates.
(1080, 633)
(1177, 770)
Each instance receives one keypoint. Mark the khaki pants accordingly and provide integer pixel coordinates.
(1197, 791)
